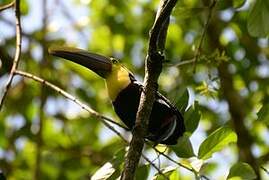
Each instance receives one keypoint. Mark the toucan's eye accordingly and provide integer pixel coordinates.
(114, 61)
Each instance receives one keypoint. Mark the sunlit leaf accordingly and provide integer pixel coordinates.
(182, 103)
(175, 175)
(109, 168)
(104, 172)
(24, 7)
(196, 163)
(241, 171)
(167, 171)
(238, 3)
(161, 148)
(192, 118)
(216, 141)
(183, 148)
(263, 114)
(208, 167)
(193, 163)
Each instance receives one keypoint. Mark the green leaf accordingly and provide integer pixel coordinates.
(175, 176)
(24, 7)
(104, 172)
(142, 172)
(216, 141)
(238, 3)
(167, 171)
(183, 101)
(209, 167)
(224, 4)
(192, 118)
(110, 170)
(242, 171)
(263, 114)
(193, 163)
(118, 157)
(196, 164)
(183, 148)
(258, 25)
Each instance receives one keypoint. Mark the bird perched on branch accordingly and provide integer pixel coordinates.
(166, 123)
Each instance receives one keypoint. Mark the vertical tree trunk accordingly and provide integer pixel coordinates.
(234, 100)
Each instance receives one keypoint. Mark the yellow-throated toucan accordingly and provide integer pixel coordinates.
(166, 124)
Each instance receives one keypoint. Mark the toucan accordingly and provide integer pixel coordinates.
(166, 123)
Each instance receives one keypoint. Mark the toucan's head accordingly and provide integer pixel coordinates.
(116, 75)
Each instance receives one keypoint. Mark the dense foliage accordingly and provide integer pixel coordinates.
(224, 95)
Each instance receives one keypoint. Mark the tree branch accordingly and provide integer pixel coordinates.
(155, 167)
(174, 161)
(181, 63)
(153, 69)
(102, 118)
(163, 14)
(17, 53)
(7, 6)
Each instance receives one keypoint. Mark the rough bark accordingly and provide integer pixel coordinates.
(153, 69)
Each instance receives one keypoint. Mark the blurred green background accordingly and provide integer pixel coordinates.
(45, 136)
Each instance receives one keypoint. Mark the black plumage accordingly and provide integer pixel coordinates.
(166, 123)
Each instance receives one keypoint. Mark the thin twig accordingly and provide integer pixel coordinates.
(154, 166)
(205, 177)
(17, 53)
(172, 160)
(94, 113)
(72, 98)
(7, 6)
(178, 163)
(84, 107)
(181, 63)
(199, 49)
(265, 170)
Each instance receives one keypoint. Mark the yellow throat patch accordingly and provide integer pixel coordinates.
(117, 81)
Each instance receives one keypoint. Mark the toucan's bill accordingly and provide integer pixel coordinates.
(101, 65)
